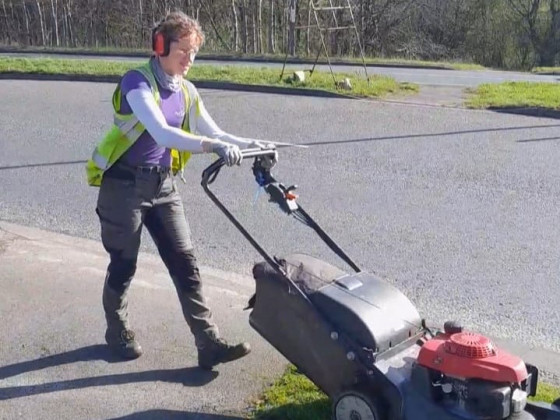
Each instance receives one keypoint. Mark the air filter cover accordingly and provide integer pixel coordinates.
(470, 345)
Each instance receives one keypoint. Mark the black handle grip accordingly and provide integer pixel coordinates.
(210, 173)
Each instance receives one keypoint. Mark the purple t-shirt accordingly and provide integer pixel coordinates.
(145, 151)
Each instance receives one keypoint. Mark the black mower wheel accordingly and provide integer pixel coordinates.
(356, 405)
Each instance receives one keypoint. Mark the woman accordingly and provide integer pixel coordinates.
(157, 113)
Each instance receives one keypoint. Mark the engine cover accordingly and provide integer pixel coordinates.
(469, 398)
(471, 356)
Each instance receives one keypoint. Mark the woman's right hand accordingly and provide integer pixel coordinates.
(230, 153)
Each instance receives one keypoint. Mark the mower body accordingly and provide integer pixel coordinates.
(357, 336)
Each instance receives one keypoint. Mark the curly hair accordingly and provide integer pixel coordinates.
(177, 25)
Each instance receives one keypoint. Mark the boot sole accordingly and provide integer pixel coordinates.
(218, 362)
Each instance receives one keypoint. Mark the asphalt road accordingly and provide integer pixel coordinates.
(457, 208)
(432, 77)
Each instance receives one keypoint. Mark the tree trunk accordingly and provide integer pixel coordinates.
(55, 22)
(8, 37)
(245, 26)
(282, 25)
(43, 39)
(362, 24)
(93, 41)
(254, 25)
(14, 26)
(292, 27)
(63, 28)
(235, 27)
(27, 30)
(259, 29)
(271, 47)
(308, 32)
(140, 22)
(70, 25)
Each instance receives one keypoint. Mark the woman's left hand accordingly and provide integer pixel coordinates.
(268, 161)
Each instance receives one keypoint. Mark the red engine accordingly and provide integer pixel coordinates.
(468, 355)
(466, 373)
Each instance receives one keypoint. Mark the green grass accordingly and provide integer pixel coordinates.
(546, 70)
(275, 57)
(546, 393)
(515, 94)
(70, 67)
(294, 397)
(75, 50)
(379, 86)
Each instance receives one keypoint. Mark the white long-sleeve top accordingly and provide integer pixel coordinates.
(145, 108)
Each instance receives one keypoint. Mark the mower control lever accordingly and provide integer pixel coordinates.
(282, 196)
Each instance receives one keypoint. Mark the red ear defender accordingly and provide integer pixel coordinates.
(159, 44)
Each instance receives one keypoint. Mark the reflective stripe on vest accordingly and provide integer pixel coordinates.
(99, 160)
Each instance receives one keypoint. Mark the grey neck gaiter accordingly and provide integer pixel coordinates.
(172, 83)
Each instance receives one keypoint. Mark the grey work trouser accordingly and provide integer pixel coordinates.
(130, 198)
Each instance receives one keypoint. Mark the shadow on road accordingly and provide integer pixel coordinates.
(541, 139)
(174, 415)
(415, 136)
(529, 111)
(324, 143)
(38, 165)
(191, 376)
(84, 354)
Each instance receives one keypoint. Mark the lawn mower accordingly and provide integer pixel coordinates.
(362, 341)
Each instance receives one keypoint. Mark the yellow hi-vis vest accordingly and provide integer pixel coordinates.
(127, 129)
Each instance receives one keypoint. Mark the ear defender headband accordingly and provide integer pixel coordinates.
(160, 43)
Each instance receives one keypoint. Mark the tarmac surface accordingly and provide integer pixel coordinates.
(53, 361)
(457, 208)
(54, 364)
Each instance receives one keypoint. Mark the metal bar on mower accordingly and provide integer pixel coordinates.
(329, 241)
(208, 176)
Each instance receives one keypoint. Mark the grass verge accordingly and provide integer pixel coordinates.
(421, 63)
(275, 57)
(546, 70)
(546, 393)
(294, 397)
(379, 86)
(515, 95)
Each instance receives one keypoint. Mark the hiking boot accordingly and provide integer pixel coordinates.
(123, 344)
(219, 351)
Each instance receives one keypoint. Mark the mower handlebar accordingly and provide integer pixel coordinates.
(210, 173)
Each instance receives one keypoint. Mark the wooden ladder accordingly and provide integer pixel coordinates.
(319, 7)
